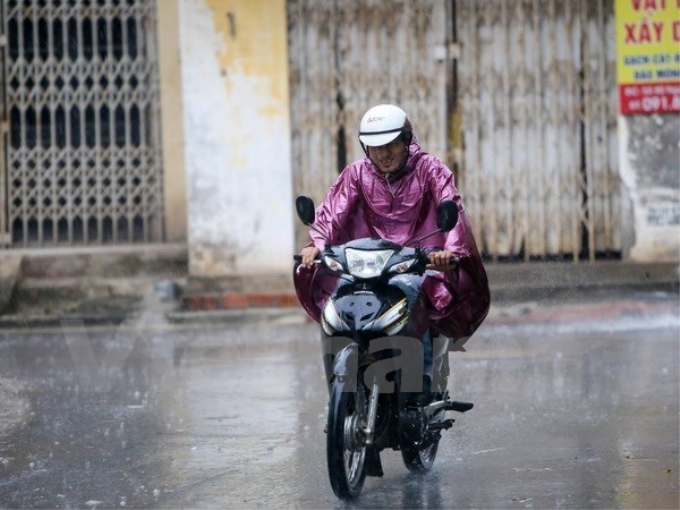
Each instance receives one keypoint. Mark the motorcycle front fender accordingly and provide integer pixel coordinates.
(346, 362)
(341, 360)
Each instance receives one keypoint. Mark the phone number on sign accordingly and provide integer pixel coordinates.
(657, 98)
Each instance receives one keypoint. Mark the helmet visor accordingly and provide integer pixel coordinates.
(379, 138)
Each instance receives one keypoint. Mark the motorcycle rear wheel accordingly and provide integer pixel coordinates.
(419, 458)
(345, 448)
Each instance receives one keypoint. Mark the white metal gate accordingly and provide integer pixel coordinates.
(82, 124)
(538, 100)
(346, 56)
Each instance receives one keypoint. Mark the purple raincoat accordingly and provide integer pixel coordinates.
(363, 203)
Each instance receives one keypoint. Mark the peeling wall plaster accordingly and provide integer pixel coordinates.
(650, 171)
(236, 118)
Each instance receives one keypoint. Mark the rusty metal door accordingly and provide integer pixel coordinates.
(348, 56)
(82, 117)
(538, 102)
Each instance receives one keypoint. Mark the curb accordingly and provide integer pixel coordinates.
(56, 321)
(499, 294)
(501, 313)
(261, 314)
(238, 301)
(511, 282)
(583, 312)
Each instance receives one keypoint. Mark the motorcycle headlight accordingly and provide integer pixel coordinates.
(365, 263)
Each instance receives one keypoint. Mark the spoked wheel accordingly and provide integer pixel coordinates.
(345, 447)
(419, 458)
(419, 455)
(418, 447)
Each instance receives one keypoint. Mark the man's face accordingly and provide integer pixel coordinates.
(388, 157)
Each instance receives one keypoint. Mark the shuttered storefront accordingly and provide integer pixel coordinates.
(538, 102)
(348, 56)
(535, 122)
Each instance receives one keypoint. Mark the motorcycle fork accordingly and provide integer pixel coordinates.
(369, 430)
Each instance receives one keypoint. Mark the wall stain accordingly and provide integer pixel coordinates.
(254, 45)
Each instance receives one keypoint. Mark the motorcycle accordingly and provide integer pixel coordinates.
(373, 359)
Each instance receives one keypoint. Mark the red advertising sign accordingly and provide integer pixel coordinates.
(650, 98)
(648, 56)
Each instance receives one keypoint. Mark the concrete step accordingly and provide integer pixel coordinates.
(64, 279)
(103, 261)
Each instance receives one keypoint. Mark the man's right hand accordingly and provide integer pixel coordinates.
(309, 255)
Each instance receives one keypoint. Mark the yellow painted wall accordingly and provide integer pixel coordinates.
(172, 133)
(236, 110)
(253, 38)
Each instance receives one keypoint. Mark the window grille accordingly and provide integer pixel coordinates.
(83, 160)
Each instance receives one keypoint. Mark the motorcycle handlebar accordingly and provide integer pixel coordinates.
(453, 260)
(298, 258)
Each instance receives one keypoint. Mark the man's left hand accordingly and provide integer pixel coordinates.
(439, 260)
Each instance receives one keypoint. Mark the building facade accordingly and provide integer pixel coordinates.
(198, 121)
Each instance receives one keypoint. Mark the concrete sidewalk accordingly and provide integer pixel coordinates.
(106, 285)
(508, 282)
(535, 292)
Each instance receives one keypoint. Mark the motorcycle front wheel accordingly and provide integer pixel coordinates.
(345, 447)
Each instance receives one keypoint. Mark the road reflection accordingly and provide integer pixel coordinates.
(233, 417)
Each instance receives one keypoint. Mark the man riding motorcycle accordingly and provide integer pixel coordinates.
(393, 194)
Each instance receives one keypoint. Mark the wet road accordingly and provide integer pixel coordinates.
(580, 414)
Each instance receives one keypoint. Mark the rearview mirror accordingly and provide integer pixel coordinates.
(447, 215)
(304, 206)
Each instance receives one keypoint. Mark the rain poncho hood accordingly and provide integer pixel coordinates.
(401, 208)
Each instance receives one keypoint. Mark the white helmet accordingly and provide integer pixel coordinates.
(382, 124)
